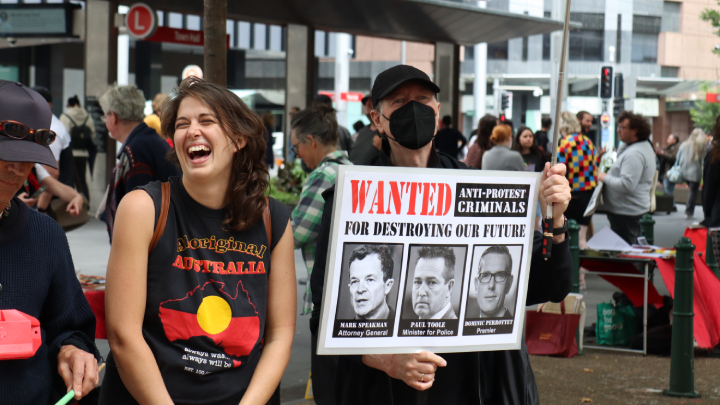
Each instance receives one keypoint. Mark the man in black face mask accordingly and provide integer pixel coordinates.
(406, 116)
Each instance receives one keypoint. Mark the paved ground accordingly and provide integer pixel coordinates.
(90, 249)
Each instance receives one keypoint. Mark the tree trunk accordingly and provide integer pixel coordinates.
(215, 26)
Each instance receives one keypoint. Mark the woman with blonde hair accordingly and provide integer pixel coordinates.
(690, 159)
(153, 120)
(500, 156)
(207, 315)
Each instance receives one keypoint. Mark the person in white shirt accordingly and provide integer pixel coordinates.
(59, 182)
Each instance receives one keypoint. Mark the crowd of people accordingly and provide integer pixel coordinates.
(201, 287)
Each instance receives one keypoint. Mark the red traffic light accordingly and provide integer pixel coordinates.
(502, 117)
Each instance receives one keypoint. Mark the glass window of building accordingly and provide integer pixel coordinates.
(546, 41)
(645, 38)
(670, 17)
(644, 48)
(497, 50)
(588, 43)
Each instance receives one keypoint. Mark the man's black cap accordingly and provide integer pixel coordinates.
(365, 99)
(390, 79)
(21, 104)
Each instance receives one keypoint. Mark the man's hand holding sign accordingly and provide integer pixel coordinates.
(466, 263)
(555, 189)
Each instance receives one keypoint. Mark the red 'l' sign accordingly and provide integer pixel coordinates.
(141, 20)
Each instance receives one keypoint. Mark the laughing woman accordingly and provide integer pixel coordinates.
(208, 316)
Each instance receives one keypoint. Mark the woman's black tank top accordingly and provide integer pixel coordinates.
(206, 301)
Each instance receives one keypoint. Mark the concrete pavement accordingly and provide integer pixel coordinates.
(90, 249)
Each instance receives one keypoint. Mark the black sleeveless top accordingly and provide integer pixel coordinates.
(206, 301)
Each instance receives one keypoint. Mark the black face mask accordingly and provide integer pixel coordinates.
(412, 125)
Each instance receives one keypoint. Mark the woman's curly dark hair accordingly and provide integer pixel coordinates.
(245, 198)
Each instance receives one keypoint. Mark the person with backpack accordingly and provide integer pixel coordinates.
(82, 132)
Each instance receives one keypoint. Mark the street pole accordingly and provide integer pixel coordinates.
(342, 75)
(215, 27)
(574, 229)
(682, 373)
(547, 223)
(710, 258)
(647, 224)
(480, 81)
(496, 96)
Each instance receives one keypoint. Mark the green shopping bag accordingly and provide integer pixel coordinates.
(614, 324)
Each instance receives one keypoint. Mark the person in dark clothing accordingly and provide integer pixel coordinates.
(541, 136)
(78, 120)
(142, 156)
(269, 123)
(37, 276)
(500, 377)
(345, 141)
(711, 189)
(449, 140)
(365, 148)
(529, 149)
(482, 143)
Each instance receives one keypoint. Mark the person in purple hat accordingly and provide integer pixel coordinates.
(37, 276)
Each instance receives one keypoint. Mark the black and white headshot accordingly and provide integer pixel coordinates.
(368, 287)
(493, 283)
(434, 282)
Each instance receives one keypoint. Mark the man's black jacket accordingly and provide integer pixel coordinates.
(487, 378)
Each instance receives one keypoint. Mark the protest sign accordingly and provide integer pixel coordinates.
(427, 259)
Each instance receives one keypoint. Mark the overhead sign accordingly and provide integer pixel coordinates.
(427, 259)
(181, 36)
(605, 120)
(192, 70)
(345, 95)
(712, 98)
(141, 21)
(36, 20)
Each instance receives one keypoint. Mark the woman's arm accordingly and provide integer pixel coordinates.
(280, 323)
(125, 297)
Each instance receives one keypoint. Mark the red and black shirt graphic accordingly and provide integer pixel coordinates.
(207, 299)
(230, 320)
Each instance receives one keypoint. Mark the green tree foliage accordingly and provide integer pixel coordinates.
(704, 113)
(713, 17)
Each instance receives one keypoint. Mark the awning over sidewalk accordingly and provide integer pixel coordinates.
(411, 20)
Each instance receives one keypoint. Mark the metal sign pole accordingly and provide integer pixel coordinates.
(548, 222)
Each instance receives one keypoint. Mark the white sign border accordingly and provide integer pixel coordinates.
(332, 254)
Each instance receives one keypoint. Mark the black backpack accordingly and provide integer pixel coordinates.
(80, 135)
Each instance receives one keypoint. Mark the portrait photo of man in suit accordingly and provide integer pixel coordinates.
(493, 282)
(432, 283)
(371, 280)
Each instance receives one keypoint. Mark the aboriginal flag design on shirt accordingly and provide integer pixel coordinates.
(234, 330)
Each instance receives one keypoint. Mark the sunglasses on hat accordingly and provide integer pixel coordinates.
(16, 130)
